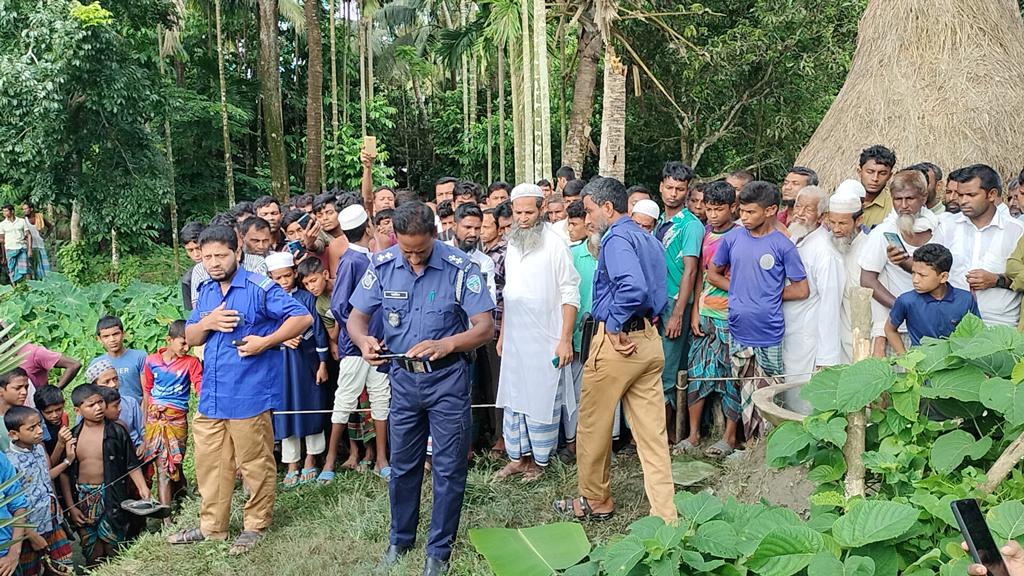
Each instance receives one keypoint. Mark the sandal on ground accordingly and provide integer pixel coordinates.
(245, 542)
(684, 447)
(146, 508)
(719, 449)
(309, 475)
(326, 477)
(532, 475)
(291, 479)
(385, 473)
(564, 507)
(365, 465)
(191, 536)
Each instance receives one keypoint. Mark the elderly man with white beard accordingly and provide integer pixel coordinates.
(844, 219)
(885, 258)
(812, 339)
(542, 298)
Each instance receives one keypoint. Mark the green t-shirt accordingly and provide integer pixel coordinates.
(683, 239)
(585, 265)
(323, 309)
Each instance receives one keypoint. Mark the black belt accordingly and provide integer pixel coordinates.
(417, 366)
(634, 325)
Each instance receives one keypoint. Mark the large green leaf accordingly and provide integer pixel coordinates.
(535, 551)
(960, 383)
(785, 441)
(822, 391)
(785, 551)
(698, 508)
(1004, 397)
(862, 383)
(691, 472)
(884, 556)
(623, 556)
(908, 404)
(832, 430)
(950, 449)
(716, 538)
(936, 355)
(696, 561)
(990, 341)
(826, 564)
(937, 507)
(873, 521)
(1006, 520)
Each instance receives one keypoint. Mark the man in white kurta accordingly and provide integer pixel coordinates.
(541, 298)
(844, 212)
(812, 338)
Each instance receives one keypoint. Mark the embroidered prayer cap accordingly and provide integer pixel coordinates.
(647, 208)
(279, 261)
(527, 190)
(352, 217)
(844, 203)
(851, 186)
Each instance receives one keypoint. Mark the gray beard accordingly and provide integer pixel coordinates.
(844, 244)
(527, 239)
(905, 223)
(799, 230)
(594, 241)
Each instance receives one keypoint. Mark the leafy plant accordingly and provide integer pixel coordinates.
(537, 550)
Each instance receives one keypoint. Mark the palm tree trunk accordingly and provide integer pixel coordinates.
(588, 55)
(542, 92)
(76, 222)
(529, 152)
(115, 255)
(560, 34)
(369, 57)
(490, 129)
(613, 117)
(314, 97)
(270, 92)
(345, 40)
(334, 79)
(362, 67)
(501, 112)
(518, 152)
(229, 170)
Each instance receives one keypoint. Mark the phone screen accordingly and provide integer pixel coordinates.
(895, 241)
(979, 540)
(303, 221)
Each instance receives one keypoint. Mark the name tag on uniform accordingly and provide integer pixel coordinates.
(397, 295)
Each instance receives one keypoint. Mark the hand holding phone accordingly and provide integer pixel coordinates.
(979, 540)
(895, 241)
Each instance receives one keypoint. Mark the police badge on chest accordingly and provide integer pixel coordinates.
(394, 318)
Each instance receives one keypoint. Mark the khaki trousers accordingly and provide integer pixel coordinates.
(608, 376)
(220, 444)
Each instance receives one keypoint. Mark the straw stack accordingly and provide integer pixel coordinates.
(935, 80)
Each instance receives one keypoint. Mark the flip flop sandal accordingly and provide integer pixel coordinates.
(564, 507)
(52, 567)
(684, 447)
(245, 542)
(385, 473)
(720, 449)
(146, 508)
(309, 475)
(291, 480)
(326, 477)
(191, 536)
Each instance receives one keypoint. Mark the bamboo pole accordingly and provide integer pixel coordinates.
(856, 422)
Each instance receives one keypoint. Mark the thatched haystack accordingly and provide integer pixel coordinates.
(935, 80)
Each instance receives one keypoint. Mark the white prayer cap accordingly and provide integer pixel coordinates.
(352, 217)
(852, 187)
(647, 207)
(844, 203)
(279, 261)
(527, 190)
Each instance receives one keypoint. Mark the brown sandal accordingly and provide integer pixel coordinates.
(245, 542)
(191, 536)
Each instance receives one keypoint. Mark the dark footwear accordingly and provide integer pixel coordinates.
(147, 508)
(719, 449)
(435, 567)
(565, 507)
(245, 542)
(391, 557)
(192, 536)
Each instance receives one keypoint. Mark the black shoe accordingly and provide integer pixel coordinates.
(391, 557)
(435, 567)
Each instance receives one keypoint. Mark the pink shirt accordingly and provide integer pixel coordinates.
(38, 362)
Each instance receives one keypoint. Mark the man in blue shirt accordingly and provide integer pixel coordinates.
(436, 308)
(625, 361)
(243, 319)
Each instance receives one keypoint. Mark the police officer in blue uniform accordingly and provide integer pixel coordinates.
(436, 310)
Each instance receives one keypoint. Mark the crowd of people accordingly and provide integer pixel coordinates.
(368, 324)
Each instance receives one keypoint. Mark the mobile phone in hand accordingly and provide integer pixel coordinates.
(979, 540)
(303, 221)
(894, 240)
(390, 356)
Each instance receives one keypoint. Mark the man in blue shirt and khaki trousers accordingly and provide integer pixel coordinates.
(242, 318)
(625, 359)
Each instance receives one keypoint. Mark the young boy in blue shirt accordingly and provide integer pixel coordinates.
(933, 308)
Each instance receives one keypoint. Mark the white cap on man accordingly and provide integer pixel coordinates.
(352, 217)
(647, 207)
(526, 190)
(851, 187)
(844, 203)
(279, 261)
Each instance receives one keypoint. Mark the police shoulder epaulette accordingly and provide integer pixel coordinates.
(382, 258)
(262, 281)
(460, 261)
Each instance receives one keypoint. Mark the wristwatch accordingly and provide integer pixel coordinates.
(67, 462)
(1002, 281)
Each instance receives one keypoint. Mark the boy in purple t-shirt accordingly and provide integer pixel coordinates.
(760, 260)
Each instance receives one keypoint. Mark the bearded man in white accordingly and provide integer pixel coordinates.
(542, 298)
(844, 220)
(812, 325)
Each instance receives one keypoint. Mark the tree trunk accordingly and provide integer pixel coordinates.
(588, 55)
(76, 222)
(542, 93)
(526, 96)
(518, 154)
(560, 35)
(115, 255)
(345, 41)
(174, 193)
(314, 97)
(501, 112)
(362, 67)
(270, 92)
(490, 130)
(229, 170)
(613, 117)
(369, 57)
(334, 81)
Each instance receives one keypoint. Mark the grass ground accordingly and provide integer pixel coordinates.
(343, 528)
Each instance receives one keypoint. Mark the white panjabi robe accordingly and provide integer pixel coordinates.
(537, 285)
(852, 283)
(812, 335)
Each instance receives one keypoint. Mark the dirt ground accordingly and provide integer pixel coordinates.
(750, 479)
